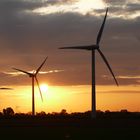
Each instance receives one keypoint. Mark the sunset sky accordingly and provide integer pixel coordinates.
(30, 30)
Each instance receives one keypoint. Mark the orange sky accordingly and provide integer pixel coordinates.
(31, 30)
(72, 98)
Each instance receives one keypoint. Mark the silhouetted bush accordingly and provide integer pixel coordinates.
(41, 114)
(8, 111)
(124, 111)
(63, 112)
(1, 114)
(107, 111)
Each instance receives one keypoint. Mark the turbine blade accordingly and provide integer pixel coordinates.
(39, 88)
(101, 29)
(23, 71)
(106, 62)
(40, 66)
(90, 47)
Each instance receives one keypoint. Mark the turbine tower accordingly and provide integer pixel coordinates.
(34, 78)
(92, 48)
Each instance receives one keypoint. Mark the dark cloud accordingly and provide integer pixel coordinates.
(26, 38)
(12, 10)
(133, 7)
(5, 88)
(113, 2)
(59, 2)
(123, 7)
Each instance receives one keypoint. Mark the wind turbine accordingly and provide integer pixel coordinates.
(34, 78)
(92, 48)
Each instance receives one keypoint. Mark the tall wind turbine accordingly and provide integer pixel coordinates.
(92, 48)
(34, 78)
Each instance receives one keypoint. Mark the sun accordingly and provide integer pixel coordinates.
(44, 87)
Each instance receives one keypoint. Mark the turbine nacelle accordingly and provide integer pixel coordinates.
(92, 47)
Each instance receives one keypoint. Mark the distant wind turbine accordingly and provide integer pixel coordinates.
(92, 48)
(34, 78)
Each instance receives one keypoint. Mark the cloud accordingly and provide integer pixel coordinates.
(60, 1)
(125, 9)
(33, 71)
(129, 77)
(75, 6)
(5, 88)
(121, 91)
(26, 37)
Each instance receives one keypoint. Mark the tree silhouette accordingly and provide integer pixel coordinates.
(8, 111)
(42, 113)
(63, 112)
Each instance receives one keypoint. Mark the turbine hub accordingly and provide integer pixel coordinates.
(96, 46)
(93, 47)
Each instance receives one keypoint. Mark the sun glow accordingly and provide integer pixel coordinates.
(71, 98)
(44, 87)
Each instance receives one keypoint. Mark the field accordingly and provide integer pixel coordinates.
(117, 126)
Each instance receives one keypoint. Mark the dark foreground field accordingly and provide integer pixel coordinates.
(109, 127)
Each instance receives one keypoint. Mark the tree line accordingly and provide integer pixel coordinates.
(9, 112)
